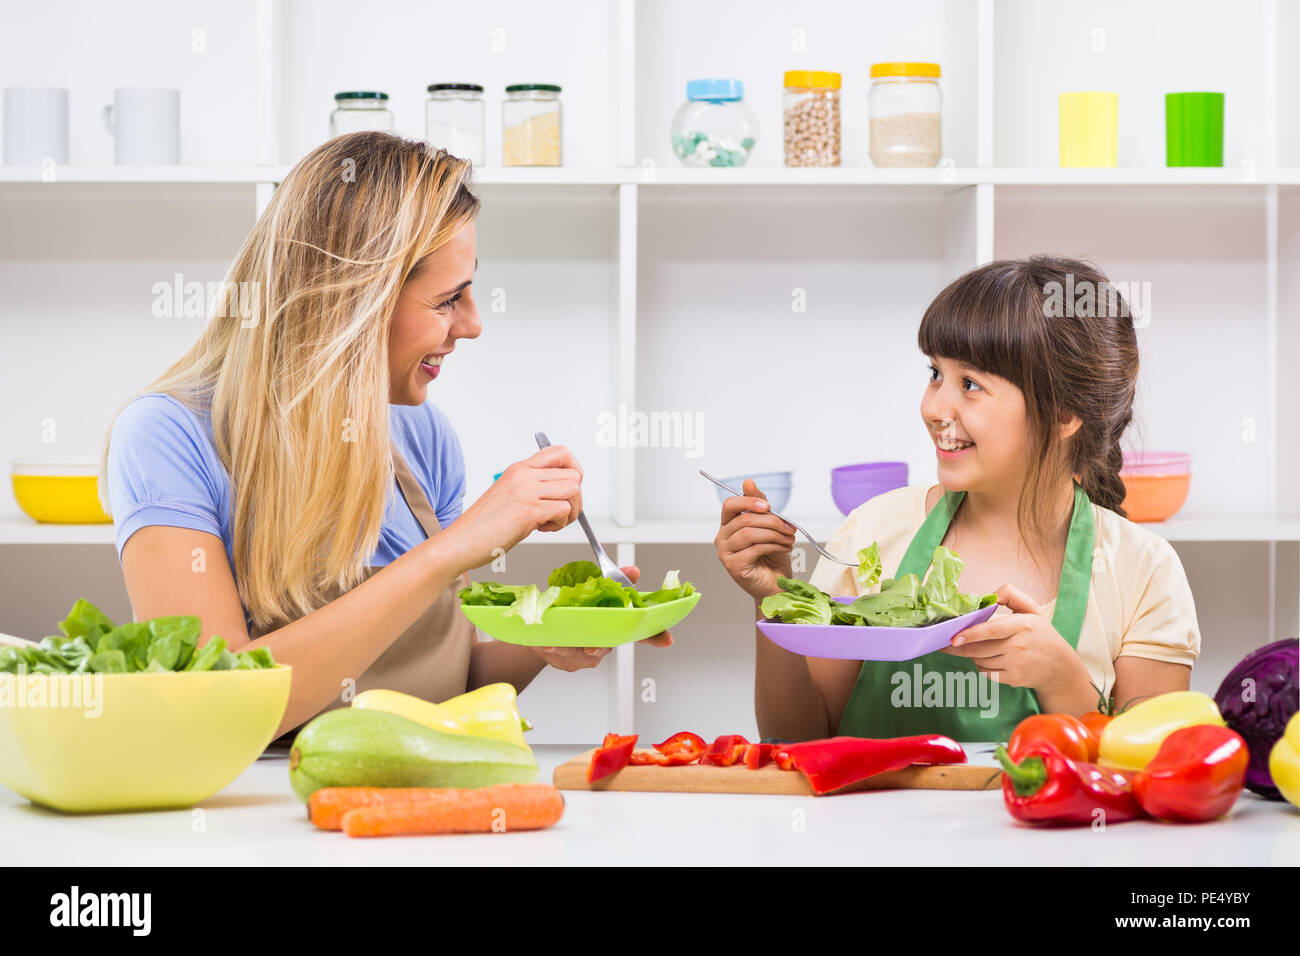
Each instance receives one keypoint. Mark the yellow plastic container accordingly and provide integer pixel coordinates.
(135, 741)
(59, 490)
(1089, 129)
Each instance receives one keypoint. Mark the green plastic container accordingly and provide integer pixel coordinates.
(582, 626)
(1193, 129)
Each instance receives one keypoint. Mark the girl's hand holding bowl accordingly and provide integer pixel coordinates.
(1022, 648)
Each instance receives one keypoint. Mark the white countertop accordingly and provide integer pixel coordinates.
(257, 820)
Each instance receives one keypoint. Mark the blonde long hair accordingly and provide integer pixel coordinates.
(296, 379)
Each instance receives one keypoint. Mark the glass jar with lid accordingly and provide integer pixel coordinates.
(714, 127)
(906, 113)
(811, 114)
(356, 110)
(453, 119)
(530, 121)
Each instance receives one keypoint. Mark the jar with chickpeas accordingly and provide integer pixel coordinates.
(811, 107)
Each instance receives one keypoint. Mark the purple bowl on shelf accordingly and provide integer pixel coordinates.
(851, 485)
(849, 642)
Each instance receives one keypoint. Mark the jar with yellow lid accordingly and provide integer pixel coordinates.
(811, 107)
(906, 112)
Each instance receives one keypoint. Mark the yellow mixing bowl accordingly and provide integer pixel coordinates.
(135, 741)
(59, 490)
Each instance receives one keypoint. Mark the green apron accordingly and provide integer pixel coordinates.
(940, 693)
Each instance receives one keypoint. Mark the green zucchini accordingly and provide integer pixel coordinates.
(352, 747)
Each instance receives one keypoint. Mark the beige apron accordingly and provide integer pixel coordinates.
(430, 659)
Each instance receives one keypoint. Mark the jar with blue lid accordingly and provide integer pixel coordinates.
(714, 127)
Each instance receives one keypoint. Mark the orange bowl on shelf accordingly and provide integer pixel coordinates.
(58, 490)
(1155, 484)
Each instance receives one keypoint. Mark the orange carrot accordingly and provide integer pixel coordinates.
(328, 804)
(495, 809)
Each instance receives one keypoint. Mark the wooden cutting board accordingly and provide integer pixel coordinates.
(697, 778)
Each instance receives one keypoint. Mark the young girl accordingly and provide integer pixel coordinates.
(1026, 404)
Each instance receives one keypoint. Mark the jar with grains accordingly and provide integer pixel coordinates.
(906, 113)
(530, 119)
(357, 110)
(453, 119)
(811, 106)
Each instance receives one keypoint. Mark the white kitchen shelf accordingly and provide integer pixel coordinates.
(649, 177)
(141, 174)
(672, 531)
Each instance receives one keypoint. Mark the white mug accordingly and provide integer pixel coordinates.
(145, 123)
(36, 124)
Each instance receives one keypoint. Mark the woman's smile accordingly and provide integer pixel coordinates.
(431, 365)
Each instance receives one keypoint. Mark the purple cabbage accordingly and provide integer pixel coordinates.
(1259, 712)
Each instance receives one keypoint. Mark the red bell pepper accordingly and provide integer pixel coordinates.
(681, 748)
(1047, 787)
(781, 756)
(1066, 733)
(646, 758)
(1196, 775)
(725, 750)
(836, 762)
(758, 755)
(611, 757)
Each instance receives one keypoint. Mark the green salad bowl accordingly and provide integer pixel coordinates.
(581, 626)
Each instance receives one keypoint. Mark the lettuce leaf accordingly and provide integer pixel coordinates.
(91, 643)
(797, 603)
(671, 590)
(86, 620)
(908, 601)
(576, 584)
(599, 592)
(530, 603)
(485, 593)
(575, 572)
(869, 567)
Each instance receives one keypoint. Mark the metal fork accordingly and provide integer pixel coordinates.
(820, 550)
(607, 567)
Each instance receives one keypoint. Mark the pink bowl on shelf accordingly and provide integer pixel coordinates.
(1155, 484)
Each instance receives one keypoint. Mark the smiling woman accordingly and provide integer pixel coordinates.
(295, 437)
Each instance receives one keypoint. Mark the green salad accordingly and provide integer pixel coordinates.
(576, 584)
(903, 602)
(92, 643)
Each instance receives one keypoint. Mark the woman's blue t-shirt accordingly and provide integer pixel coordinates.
(163, 469)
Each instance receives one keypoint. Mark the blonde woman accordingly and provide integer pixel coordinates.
(287, 482)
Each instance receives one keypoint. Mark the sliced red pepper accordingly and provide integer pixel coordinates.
(679, 759)
(1047, 787)
(836, 762)
(758, 755)
(781, 756)
(611, 757)
(647, 758)
(1196, 775)
(725, 750)
(682, 748)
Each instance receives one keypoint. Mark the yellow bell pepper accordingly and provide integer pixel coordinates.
(1284, 761)
(489, 711)
(1132, 739)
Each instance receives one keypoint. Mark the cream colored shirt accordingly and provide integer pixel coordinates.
(1139, 601)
